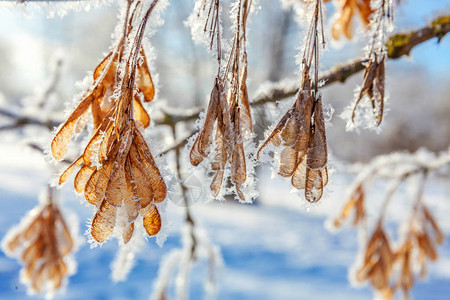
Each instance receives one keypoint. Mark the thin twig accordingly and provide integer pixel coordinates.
(184, 190)
(22, 120)
(177, 145)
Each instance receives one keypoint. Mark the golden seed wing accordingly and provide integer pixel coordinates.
(365, 11)
(245, 115)
(32, 230)
(96, 110)
(103, 222)
(200, 148)
(38, 278)
(151, 220)
(288, 162)
(139, 181)
(152, 171)
(299, 177)
(274, 136)
(92, 148)
(439, 236)
(140, 114)
(128, 233)
(105, 146)
(216, 183)
(81, 123)
(95, 188)
(82, 177)
(343, 24)
(62, 138)
(324, 176)
(317, 152)
(130, 200)
(304, 108)
(314, 185)
(67, 172)
(291, 130)
(33, 253)
(380, 75)
(238, 169)
(15, 242)
(122, 108)
(145, 82)
(116, 189)
(101, 67)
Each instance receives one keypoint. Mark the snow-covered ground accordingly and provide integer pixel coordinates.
(278, 248)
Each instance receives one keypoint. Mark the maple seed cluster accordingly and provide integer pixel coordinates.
(373, 86)
(117, 172)
(301, 131)
(381, 259)
(44, 243)
(228, 119)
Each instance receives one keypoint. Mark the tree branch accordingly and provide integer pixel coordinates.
(20, 121)
(402, 43)
(398, 45)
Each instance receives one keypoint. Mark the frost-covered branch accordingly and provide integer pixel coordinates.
(402, 43)
(274, 91)
(40, 102)
(398, 46)
(286, 88)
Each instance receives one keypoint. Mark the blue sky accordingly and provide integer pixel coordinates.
(27, 35)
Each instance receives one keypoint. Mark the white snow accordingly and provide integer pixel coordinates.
(276, 241)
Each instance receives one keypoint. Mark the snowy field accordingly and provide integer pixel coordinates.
(276, 249)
